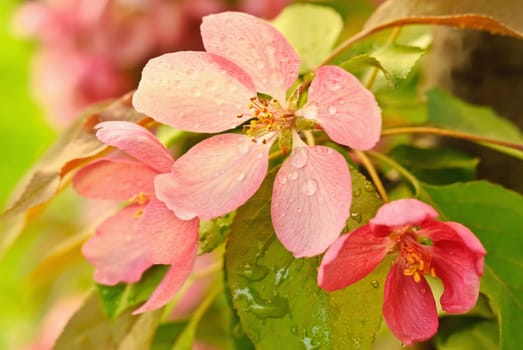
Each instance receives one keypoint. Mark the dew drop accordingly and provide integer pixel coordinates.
(356, 216)
(271, 50)
(299, 157)
(335, 86)
(299, 210)
(260, 64)
(374, 284)
(240, 177)
(292, 176)
(332, 110)
(309, 187)
(294, 329)
(369, 187)
(356, 192)
(254, 272)
(282, 180)
(341, 101)
(330, 150)
(259, 155)
(243, 147)
(310, 111)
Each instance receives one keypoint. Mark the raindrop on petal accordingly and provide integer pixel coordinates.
(243, 147)
(292, 176)
(299, 157)
(282, 180)
(260, 64)
(374, 284)
(240, 177)
(309, 187)
(332, 110)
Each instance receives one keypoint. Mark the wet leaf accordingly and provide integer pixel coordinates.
(466, 333)
(494, 215)
(311, 29)
(213, 232)
(90, 329)
(75, 147)
(277, 297)
(118, 298)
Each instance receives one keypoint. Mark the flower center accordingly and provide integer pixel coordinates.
(418, 260)
(269, 119)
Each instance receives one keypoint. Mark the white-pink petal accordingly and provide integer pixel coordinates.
(214, 177)
(114, 179)
(165, 234)
(136, 141)
(403, 212)
(311, 199)
(194, 91)
(174, 279)
(344, 108)
(118, 250)
(256, 46)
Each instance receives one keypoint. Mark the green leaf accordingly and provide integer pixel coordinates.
(437, 166)
(466, 333)
(213, 232)
(394, 60)
(311, 29)
(118, 298)
(90, 329)
(277, 297)
(494, 215)
(449, 112)
(166, 335)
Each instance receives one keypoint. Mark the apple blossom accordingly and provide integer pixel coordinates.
(423, 246)
(243, 78)
(145, 232)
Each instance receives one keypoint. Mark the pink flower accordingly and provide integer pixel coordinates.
(423, 246)
(145, 232)
(218, 90)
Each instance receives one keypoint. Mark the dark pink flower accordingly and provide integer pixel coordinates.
(145, 232)
(218, 90)
(423, 246)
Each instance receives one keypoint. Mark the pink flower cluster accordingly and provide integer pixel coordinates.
(93, 49)
(243, 78)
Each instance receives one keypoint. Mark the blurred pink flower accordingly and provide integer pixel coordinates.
(423, 246)
(217, 90)
(92, 50)
(144, 232)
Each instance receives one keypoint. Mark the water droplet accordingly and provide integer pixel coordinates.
(271, 50)
(341, 101)
(260, 64)
(274, 307)
(423, 291)
(335, 86)
(240, 177)
(332, 110)
(259, 155)
(330, 150)
(196, 126)
(211, 85)
(310, 111)
(294, 330)
(369, 187)
(299, 210)
(292, 176)
(282, 180)
(196, 92)
(243, 147)
(356, 192)
(299, 157)
(374, 284)
(356, 343)
(309, 187)
(254, 272)
(356, 216)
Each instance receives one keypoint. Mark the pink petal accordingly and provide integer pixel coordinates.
(351, 257)
(344, 108)
(114, 179)
(181, 268)
(409, 308)
(118, 250)
(166, 235)
(214, 177)
(256, 46)
(403, 212)
(472, 242)
(136, 141)
(458, 266)
(194, 91)
(311, 199)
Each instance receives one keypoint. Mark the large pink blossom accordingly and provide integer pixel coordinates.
(423, 246)
(217, 90)
(145, 232)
